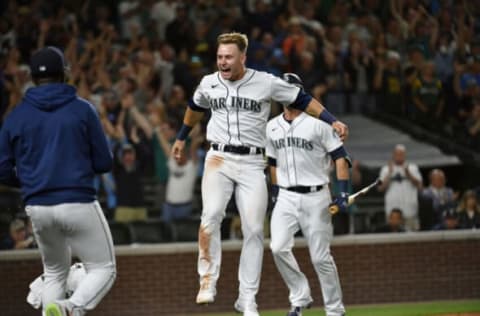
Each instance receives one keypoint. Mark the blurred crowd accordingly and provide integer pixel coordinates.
(139, 61)
(411, 205)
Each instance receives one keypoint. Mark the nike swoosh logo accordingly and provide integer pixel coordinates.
(214, 86)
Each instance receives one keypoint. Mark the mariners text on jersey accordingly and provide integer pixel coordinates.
(236, 103)
(296, 142)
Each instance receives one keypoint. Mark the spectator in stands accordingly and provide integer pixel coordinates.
(409, 75)
(466, 102)
(428, 97)
(394, 224)
(469, 211)
(401, 182)
(388, 83)
(442, 197)
(180, 32)
(296, 42)
(181, 179)
(472, 73)
(472, 126)
(313, 81)
(359, 67)
(336, 81)
(444, 57)
(448, 221)
(17, 238)
(128, 180)
(163, 12)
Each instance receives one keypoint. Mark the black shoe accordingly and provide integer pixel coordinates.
(295, 311)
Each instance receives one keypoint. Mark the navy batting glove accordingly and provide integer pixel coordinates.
(275, 190)
(341, 201)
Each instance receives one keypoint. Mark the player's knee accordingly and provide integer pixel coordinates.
(323, 263)
(208, 226)
(277, 249)
(210, 223)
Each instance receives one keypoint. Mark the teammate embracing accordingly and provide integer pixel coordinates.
(239, 99)
(300, 150)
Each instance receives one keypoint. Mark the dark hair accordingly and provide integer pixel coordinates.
(396, 210)
(51, 79)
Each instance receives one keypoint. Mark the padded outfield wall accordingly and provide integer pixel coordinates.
(162, 280)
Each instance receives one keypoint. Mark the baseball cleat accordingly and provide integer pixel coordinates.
(55, 309)
(207, 292)
(295, 311)
(205, 297)
(247, 309)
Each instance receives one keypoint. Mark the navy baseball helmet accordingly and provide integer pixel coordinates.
(294, 79)
(47, 62)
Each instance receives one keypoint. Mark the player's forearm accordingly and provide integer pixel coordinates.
(191, 117)
(341, 165)
(273, 174)
(314, 108)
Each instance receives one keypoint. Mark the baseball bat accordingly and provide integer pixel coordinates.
(333, 208)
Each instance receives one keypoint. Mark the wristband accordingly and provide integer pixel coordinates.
(343, 186)
(327, 117)
(183, 132)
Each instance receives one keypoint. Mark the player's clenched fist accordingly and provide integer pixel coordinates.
(339, 204)
(341, 129)
(177, 150)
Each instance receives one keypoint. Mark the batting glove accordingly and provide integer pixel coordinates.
(341, 201)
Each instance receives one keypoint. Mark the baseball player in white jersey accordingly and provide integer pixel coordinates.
(300, 150)
(239, 99)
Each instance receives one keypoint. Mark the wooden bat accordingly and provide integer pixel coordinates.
(333, 208)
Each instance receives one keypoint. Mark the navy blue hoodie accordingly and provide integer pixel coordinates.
(52, 145)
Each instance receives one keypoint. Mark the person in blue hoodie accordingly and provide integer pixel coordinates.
(51, 146)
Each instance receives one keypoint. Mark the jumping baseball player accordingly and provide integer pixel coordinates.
(239, 99)
(300, 150)
(52, 145)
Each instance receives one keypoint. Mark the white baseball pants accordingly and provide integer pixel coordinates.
(78, 229)
(244, 175)
(308, 212)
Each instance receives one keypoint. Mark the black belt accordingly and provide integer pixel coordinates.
(241, 150)
(305, 189)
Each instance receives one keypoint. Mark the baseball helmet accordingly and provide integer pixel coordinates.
(294, 79)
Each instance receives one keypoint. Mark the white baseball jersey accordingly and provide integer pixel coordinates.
(240, 109)
(301, 149)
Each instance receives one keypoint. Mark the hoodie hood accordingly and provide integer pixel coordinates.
(49, 97)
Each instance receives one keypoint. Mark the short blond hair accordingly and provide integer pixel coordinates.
(239, 39)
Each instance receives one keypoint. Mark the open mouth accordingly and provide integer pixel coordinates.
(226, 71)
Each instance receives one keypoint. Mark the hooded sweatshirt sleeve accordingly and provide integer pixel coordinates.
(102, 160)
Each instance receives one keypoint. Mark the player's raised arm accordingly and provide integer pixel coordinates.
(305, 102)
(316, 109)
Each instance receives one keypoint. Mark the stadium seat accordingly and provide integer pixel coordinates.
(151, 232)
(185, 229)
(121, 233)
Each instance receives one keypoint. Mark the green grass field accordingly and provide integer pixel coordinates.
(407, 309)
